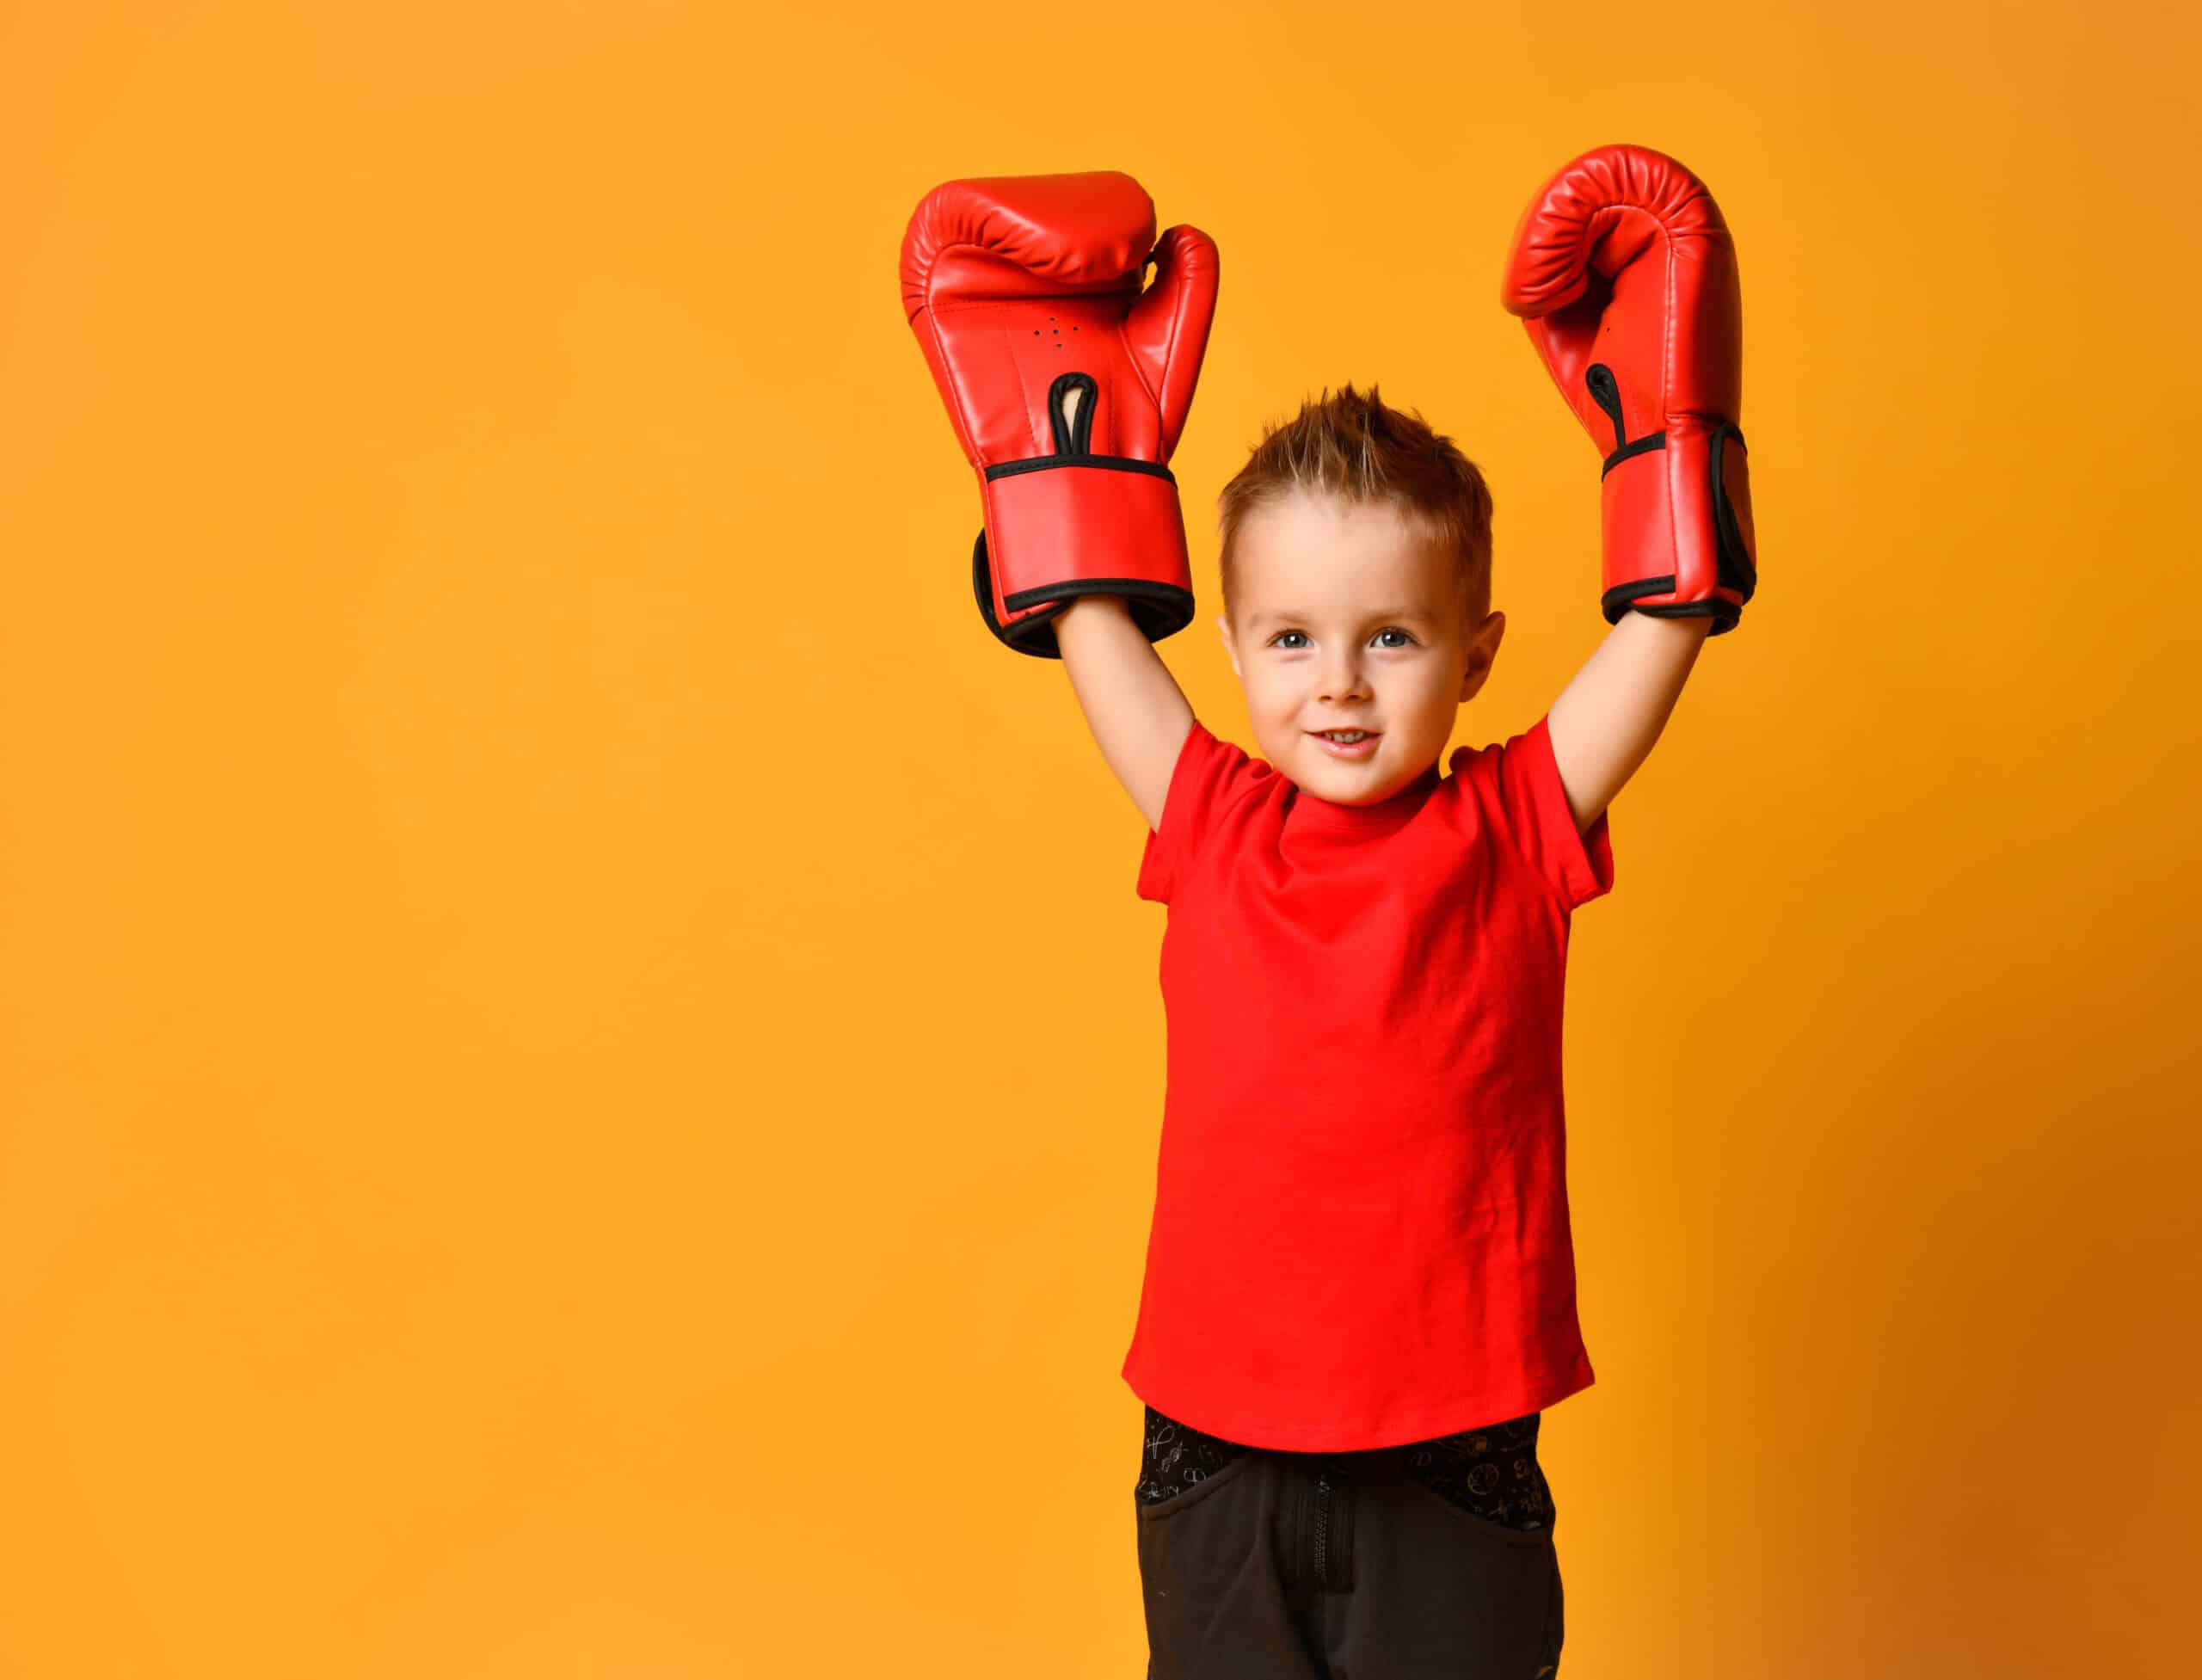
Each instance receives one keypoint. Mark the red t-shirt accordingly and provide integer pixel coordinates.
(1360, 1233)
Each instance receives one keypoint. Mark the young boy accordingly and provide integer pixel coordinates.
(1359, 1293)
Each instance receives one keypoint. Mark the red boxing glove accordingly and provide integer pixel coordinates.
(1068, 387)
(1625, 277)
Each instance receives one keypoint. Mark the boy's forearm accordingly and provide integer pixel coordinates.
(1132, 704)
(1605, 723)
(1114, 669)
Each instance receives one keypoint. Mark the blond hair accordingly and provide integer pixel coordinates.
(1357, 447)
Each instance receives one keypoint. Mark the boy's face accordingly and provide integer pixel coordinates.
(1349, 619)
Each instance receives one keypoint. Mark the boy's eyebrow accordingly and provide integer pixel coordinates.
(1416, 612)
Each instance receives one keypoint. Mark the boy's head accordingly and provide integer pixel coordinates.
(1357, 593)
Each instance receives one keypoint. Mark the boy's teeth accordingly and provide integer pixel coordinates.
(1344, 735)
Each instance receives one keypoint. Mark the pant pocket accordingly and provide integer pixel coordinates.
(1175, 1458)
(1491, 1473)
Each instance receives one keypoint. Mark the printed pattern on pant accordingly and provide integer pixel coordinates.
(1179, 1456)
(1491, 1471)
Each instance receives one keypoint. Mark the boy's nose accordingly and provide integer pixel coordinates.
(1343, 682)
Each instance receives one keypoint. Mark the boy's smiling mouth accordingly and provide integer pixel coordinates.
(1357, 744)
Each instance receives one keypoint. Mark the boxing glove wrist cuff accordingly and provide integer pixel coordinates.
(1674, 547)
(1057, 529)
(1073, 523)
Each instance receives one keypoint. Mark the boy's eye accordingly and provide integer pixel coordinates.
(1389, 630)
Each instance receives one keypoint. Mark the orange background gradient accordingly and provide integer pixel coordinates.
(582, 1065)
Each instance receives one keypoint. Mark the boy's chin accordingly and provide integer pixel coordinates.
(1347, 781)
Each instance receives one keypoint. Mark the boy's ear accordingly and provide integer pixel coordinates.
(1483, 653)
(1230, 647)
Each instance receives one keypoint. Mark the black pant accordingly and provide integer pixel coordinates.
(1433, 1559)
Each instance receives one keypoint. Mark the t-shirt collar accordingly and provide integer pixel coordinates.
(1311, 812)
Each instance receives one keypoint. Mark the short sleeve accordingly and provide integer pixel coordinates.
(1578, 867)
(1200, 785)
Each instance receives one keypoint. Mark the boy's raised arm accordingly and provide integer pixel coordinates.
(1623, 270)
(1068, 380)
(1138, 715)
(1604, 723)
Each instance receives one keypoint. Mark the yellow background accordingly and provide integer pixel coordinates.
(582, 1065)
